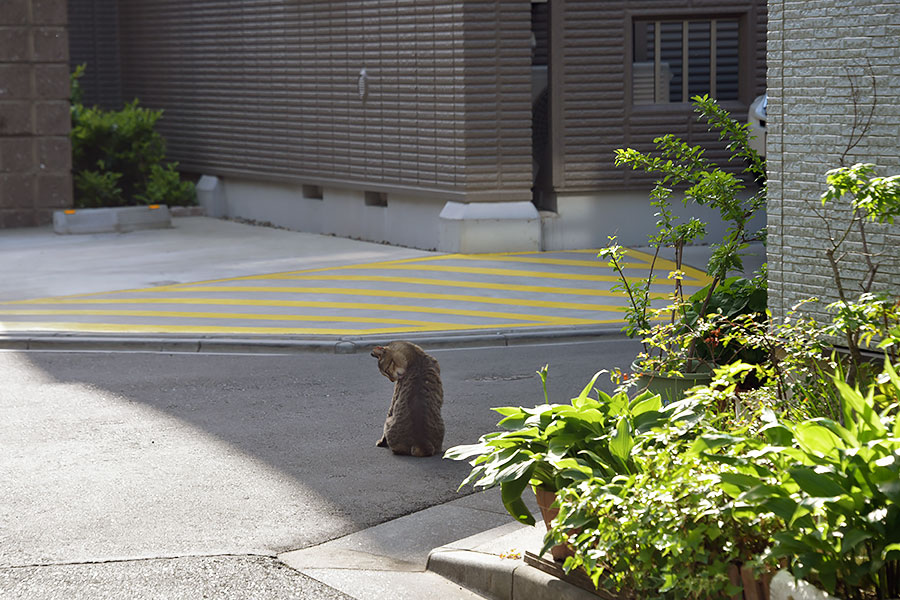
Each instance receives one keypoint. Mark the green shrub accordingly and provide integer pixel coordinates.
(99, 188)
(667, 530)
(118, 157)
(837, 487)
(166, 187)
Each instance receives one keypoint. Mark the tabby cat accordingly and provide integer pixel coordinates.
(414, 424)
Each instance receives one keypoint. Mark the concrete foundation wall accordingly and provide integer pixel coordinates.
(830, 64)
(35, 155)
(584, 221)
(404, 221)
(587, 221)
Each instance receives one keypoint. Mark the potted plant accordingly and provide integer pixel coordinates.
(551, 446)
(676, 338)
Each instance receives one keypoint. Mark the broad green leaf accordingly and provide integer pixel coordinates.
(889, 549)
(863, 406)
(515, 468)
(583, 397)
(783, 508)
(653, 403)
(511, 494)
(818, 440)
(816, 484)
(777, 434)
(508, 410)
(763, 492)
(646, 421)
(618, 404)
(466, 451)
(715, 440)
(891, 489)
(473, 476)
(741, 481)
(622, 443)
(852, 538)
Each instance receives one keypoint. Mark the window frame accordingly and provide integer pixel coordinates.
(746, 54)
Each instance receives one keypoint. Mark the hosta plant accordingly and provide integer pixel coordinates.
(554, 445)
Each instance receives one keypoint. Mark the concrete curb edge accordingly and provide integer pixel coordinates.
(282, 345)
(501, 579)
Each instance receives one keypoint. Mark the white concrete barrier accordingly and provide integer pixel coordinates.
(120, 219)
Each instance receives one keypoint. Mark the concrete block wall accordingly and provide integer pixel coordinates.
(35, 154)
(824, 57)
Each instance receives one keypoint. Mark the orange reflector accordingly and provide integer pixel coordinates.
(154, 206)
(69, 212)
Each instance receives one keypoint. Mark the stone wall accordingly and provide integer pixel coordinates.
(831, 64)
(35, 155)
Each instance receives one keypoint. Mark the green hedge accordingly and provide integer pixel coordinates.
(118, 158)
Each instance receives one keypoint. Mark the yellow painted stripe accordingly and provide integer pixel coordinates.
(568, 262)
(499, 272)
(123, 328)
(316, 304)
(381, 293)
(485, 285)
(291, 317)
(507, 287)
(207, 315)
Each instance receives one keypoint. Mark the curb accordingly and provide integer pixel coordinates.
(501, 579)
(282, 345)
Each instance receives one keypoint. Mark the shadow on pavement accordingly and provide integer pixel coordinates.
(116, 456)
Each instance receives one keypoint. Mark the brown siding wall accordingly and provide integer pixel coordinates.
(498, 100)
(35, 156)
(593, 106)
(270, 88)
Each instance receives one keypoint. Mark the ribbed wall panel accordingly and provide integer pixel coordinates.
(498, 98)
(270, 87)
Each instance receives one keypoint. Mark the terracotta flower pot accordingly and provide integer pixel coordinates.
(545, 498)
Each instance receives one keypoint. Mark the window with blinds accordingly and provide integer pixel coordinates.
(677, 59)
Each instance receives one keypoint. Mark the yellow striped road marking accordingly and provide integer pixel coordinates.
(441, 266)
(501, 272)
(508, 287)
(645, 260)
(340, 305)
(123, 328)
(563, 262)
(291, 317)
(372, 292)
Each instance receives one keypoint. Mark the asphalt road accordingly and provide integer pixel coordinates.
(159, 460)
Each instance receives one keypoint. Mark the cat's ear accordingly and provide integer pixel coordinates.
(377, 351)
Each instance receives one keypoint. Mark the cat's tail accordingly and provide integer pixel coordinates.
(422, 451)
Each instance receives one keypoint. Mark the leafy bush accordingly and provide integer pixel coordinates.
(118, 157)
(836, 487)
(99, 188)
(166, 187)
(667, 530)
